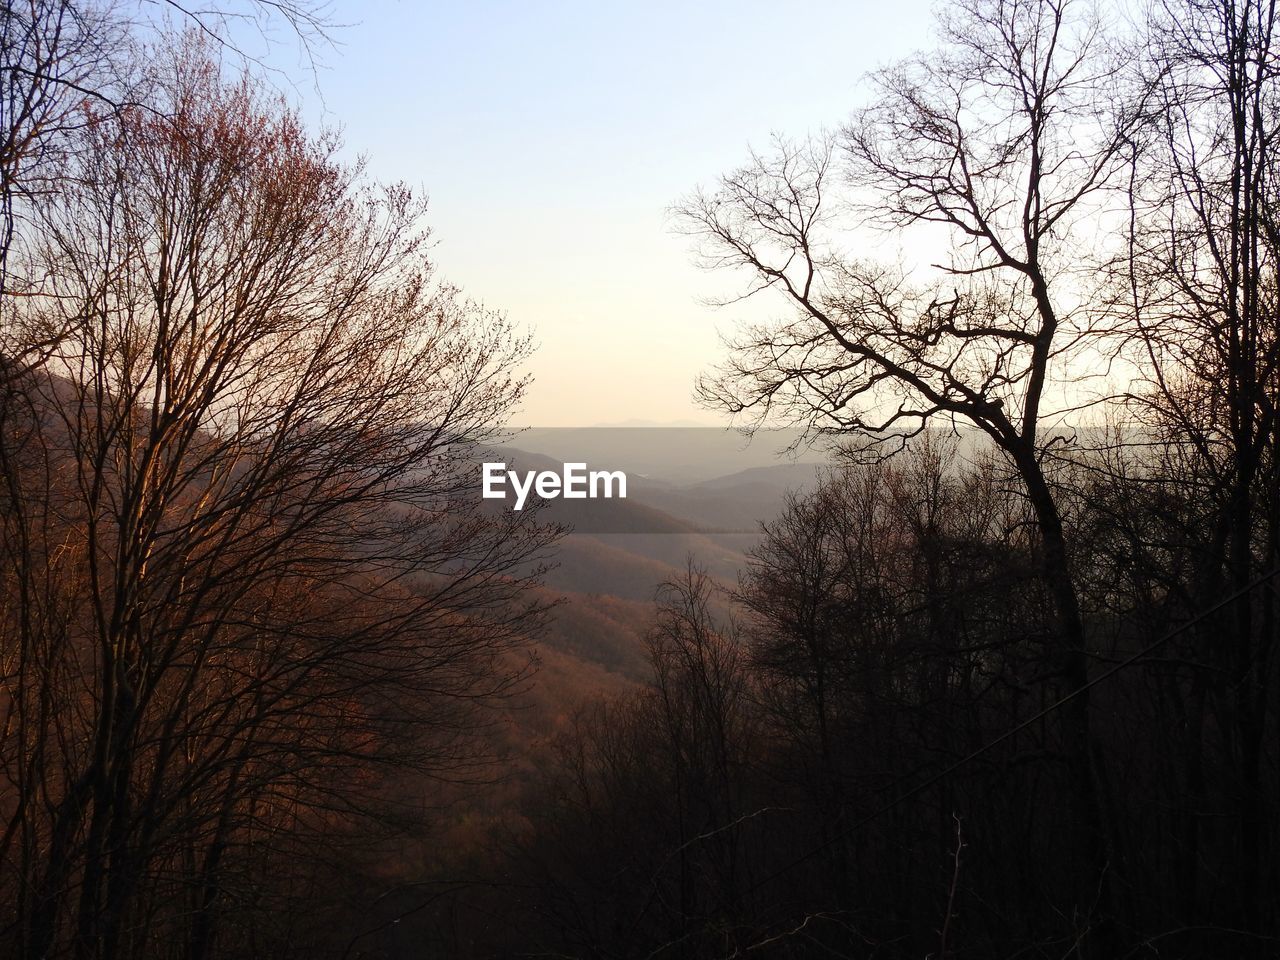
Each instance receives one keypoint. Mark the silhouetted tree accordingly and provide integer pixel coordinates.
(256, 507)
(1003, 139)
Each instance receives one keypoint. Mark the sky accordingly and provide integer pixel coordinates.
(553, 138)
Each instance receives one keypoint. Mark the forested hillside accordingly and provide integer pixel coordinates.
(994, 676)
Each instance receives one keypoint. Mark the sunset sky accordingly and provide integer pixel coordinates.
(553, 137)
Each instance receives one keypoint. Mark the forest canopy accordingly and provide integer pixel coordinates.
(1002, 683)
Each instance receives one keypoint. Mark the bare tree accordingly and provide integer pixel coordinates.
(1202, 278)
(1001, 142)
(53, 55)
(58, 55)
(261, 416)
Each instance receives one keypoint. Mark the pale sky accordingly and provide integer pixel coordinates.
(553, 137)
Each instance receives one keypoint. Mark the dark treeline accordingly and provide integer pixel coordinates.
(1004, 686)
(872, 760)
(1016, 704)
